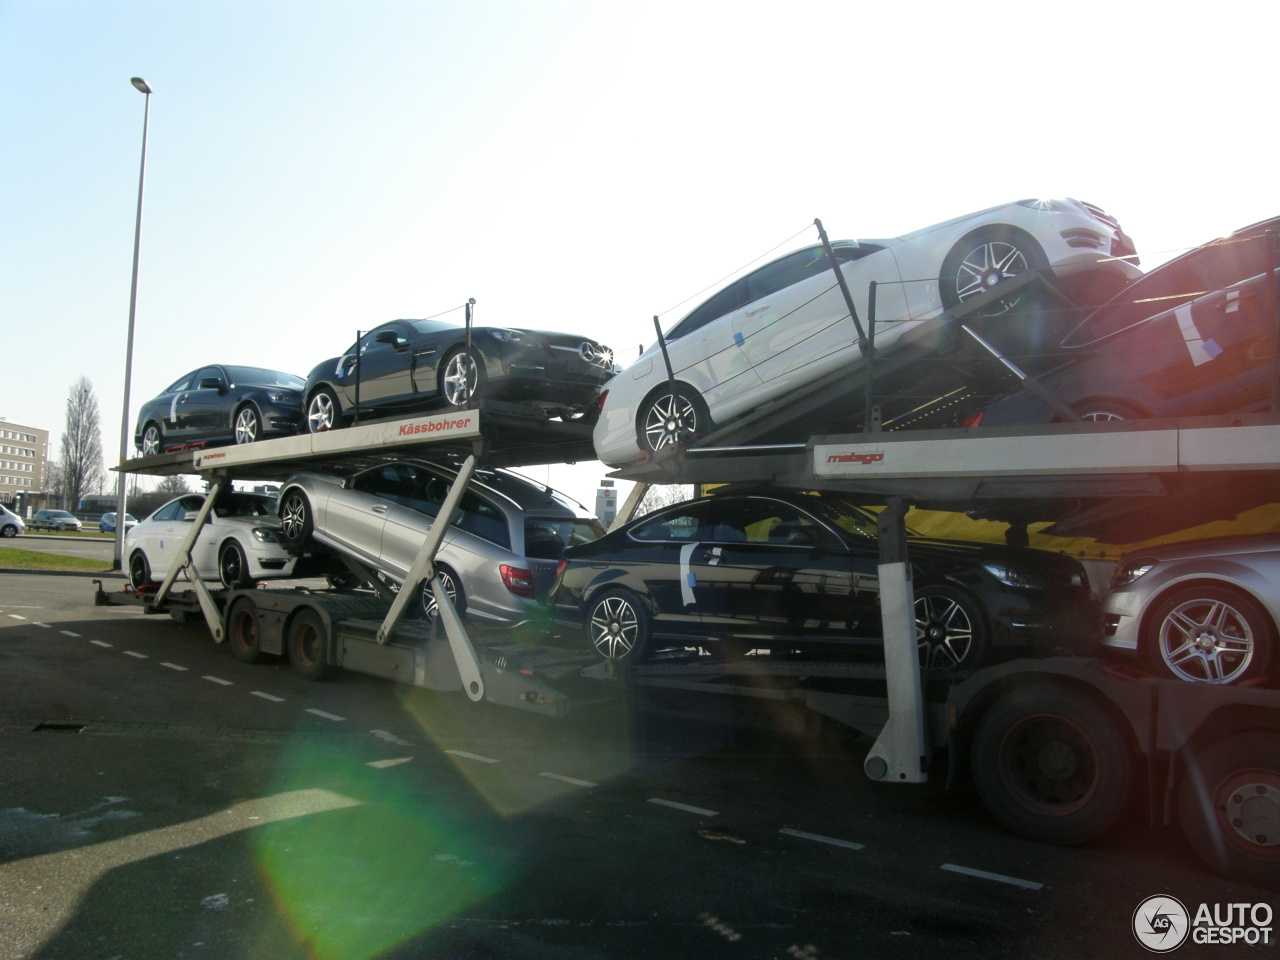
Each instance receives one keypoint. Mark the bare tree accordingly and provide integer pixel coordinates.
(663, 495)
(82, 467)
(55, 483)
(172, 486)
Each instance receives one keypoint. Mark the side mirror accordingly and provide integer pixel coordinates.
(212, 383)
(391, 337)
(190, 516)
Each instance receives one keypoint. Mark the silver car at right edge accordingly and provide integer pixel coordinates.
(1203, 611)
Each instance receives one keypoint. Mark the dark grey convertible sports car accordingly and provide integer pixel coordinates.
(411, 365)
(220, 404)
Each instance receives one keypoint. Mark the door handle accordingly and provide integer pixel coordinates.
(379, 508)
(756, 311)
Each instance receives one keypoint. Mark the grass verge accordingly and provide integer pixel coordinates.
(11, 558)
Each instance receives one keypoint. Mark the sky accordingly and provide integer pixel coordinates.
(316, 167)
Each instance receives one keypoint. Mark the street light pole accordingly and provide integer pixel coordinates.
(122, 483)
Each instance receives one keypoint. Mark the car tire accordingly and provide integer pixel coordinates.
(248, 424)
(8, 530)
(324, 412)
(1228, 806)
(139, 571)
(242, 631)
(461, 378)
(295, 519)
(951, 629)
(233, 566)
(307, 645)
(427, 605)
(669, 417)
(1051, 764)
(618, 627)
(1203, 633)
(152, 440)
(982, 260)
(344, 581)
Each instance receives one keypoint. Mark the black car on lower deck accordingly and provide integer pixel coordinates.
(219, 403)
(405, 366)
(787, 570)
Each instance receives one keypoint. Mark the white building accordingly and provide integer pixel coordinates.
(24, 459)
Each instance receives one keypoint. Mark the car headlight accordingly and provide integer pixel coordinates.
(264, 535)
(1013, 576)
(507, 336)
(1135, 569)
(282, 397)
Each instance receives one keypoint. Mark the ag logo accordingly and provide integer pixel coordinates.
(1161, 924)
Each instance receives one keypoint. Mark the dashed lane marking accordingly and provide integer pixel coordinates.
(327, 716)
(16, 616)
(998, 877)
(573, 780)
(819, 838)
(101, 643)
(683, 806)
(266, 696)
(219, 680)
(69, 633)
(384, 764)
(136, 655)
(173, 666)
(471, 756)
(43, 626)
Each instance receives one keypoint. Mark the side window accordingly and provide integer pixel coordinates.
(483, 519)
(393, 482)
(183, 384)
(757, 520)
(172, 511)
(682, 524)
(725, 302)
(783, 273)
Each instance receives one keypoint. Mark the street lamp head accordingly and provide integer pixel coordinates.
(141, 85)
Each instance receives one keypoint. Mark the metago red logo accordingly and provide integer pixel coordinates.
(855, 458)
(433, 426)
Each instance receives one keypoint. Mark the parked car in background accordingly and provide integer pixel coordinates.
(107, 523)
(785, 570)
(54, 520)
(786, 323)
(1205, 611)
(220, 404)
(10, 523)
(411, 365)
(498, 559)
(238, 546)
(1193, 337)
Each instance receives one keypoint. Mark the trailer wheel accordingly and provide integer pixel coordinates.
(1051, 764)
(1229, 806)
(242, 631)
(308, 645)
(983, 260)
(618, 627)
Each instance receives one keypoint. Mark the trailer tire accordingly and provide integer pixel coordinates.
(242, 631)
(1229, 806)
(308, 645)
(618, 627)
(1051, 764)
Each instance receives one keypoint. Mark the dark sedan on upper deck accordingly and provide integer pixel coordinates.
(409, 365)
(220, 404)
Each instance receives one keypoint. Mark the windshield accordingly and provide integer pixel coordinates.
(257, 376)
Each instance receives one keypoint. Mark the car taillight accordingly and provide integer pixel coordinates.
(560, 569)
(600, 402)
(517, 579)
(974, 419)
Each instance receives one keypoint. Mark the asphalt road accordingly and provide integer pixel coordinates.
(160, 799)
